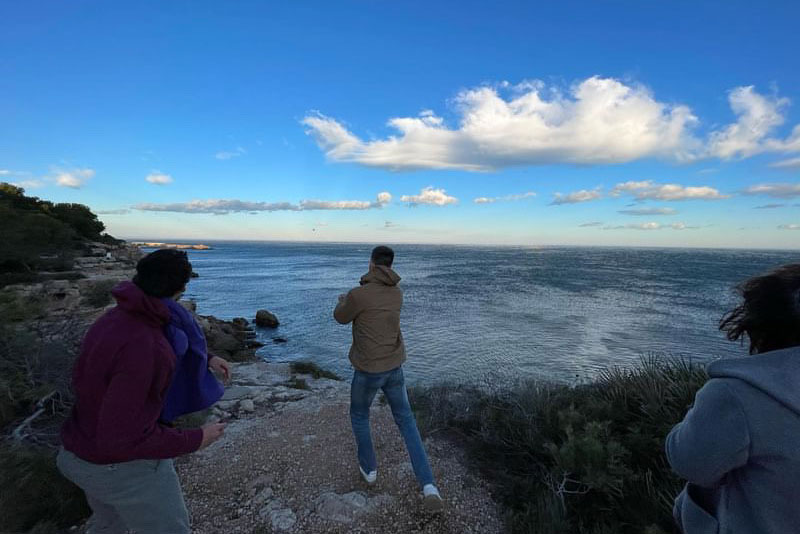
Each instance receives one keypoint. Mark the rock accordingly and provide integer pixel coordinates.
(240, 323)
(282, 519)
(279, 340)
(247, 406)
(263, 497)
(342, 508)
(267, 319)
(237, 393)
(195, 275)
(189, 305)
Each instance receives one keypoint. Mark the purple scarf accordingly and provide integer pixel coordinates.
(194, 387)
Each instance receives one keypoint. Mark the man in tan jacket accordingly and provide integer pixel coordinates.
(377, 355)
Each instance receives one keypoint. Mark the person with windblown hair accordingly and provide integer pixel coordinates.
(739, 445)
(116, 447)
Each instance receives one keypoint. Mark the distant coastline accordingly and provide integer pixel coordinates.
(179, 246)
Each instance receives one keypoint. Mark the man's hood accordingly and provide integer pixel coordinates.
(135, 301)
(380, 274)
(775, 373)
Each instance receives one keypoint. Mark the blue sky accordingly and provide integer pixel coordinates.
(586, 123)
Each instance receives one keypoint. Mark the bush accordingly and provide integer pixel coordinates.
(586, 459)
(311, 368)
(36, 497)
(98, 295)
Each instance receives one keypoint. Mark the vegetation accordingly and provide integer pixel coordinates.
(98, 294)
(585, 459)
(35, 363)
(297, 383)
(38, 235)
(311, 368)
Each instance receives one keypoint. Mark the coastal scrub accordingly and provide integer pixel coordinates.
(584, 459)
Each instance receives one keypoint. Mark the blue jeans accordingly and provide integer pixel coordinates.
(362, 393)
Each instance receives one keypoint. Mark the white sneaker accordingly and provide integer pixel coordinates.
(431, 498)
(370, 477)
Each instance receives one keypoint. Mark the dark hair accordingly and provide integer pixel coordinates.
(163, 273)
(770, 313)
(382, 256)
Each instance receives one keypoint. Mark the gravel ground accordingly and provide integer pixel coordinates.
(290, 467)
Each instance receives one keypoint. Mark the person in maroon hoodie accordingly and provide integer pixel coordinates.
(114, 447)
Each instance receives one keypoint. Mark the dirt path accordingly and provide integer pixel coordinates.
(289, 466)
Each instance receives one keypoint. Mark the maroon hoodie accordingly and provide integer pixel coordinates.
(120, 379)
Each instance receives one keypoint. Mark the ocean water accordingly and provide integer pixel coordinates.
(471, 312)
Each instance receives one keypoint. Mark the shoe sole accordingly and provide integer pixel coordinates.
(433, 503)
(364, 477)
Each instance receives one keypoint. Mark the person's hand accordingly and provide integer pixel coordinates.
(221, 366)
(211, 433)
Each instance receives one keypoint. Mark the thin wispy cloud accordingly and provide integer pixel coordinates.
(507, 198)
(775, 190)
(596, 121)
(230, 154)
(159, 178)
(4, 172)
(590, 224)
(788, 164)
(429, 196)
(789, 227)
(649, 211)
(223, 207)
(769, 206)
(389, 224)
(72, 178)
(649, 190)
(584, 195)
(29, 184)
(114, 212)
(652, 226)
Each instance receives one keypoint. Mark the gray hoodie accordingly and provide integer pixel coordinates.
(739, 448)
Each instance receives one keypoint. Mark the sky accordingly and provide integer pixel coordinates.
(618, 123)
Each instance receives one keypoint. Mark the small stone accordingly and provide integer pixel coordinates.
(266, 318)
(247, 405)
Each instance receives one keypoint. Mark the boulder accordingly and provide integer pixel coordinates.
(267, 319)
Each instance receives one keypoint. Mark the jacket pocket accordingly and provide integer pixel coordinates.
(693, 518)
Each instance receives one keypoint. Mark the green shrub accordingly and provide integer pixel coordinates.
(35, 496)
(586, 459)
(311, 368)
(98, 295)
(297, 383)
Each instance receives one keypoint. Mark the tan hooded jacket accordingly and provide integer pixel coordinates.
(374, 309)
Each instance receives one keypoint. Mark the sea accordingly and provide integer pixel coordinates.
(477, 314)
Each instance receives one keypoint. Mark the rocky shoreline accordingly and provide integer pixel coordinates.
(286, 463)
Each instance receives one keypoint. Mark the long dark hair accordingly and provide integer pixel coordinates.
(770, 312)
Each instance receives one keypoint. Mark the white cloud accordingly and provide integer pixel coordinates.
(29, 184)
(599, 121)
(792, 163)
(649, 190)
(584, 195)
(649, 211)
(389, 224)
(223, 207)
(507, 198)
(757, 116)
(590, 224)
(642, 226)
(778, 190)
(229, 154)
(596, 121)
(74, 178)
(4, 172)
(159, 178)
(789, 227)
(429, 196)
